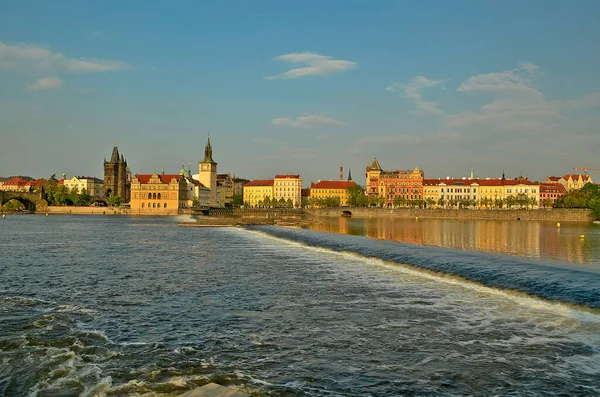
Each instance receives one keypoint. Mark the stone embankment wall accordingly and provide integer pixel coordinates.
(556, 215)
(255, 212)
(85, 210)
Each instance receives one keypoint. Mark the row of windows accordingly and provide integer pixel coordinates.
(154, 205)
(153, 196)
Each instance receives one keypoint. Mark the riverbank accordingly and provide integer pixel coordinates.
(85, 210)
(269, 216)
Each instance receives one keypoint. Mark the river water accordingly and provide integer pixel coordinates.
(126, 306)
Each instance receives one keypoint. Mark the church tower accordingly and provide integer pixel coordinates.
(208, 173)
(116, 182)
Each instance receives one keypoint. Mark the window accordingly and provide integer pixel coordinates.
(165, 205)
(134, 195)
(153, 205)
(142, 205)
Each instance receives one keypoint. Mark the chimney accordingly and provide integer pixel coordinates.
(341, 173)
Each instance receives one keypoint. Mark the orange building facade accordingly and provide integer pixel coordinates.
(407, 184)
(158, 194)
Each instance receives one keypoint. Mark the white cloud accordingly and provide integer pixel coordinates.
(518, 116)
(316, 64)
(46, 83)
(307, 121)
(32, 57)
(516, 81)
(412, 90)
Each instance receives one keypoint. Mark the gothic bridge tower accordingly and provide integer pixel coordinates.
(116, 182)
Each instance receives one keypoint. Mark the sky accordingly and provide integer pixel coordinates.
(301, 87)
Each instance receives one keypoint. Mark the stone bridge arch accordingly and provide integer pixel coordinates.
(29, 200)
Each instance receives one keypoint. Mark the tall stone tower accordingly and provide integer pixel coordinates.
(116, 182)
(208, 173)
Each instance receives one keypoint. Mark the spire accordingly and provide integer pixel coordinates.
(208, 152)
(375, 165)
(503, 176)
(114, 158)
(349, 174)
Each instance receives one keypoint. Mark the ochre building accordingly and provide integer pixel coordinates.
(331, 189)
(257, 191)
(158, 194)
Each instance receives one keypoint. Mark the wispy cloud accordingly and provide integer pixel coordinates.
(307, 121)
(36, 58)
(517, 81)
(412, 90)
(46, 83)
(513, 113)
(315, 65)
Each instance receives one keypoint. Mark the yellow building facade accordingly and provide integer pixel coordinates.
(331, 189)
(158, 194)
(288, 187)
(93, 186)
(255, 192)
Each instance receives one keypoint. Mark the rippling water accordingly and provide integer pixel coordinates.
(122, 306)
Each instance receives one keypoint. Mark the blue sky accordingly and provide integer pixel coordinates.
(301, 86)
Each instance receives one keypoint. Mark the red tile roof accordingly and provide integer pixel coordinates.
(333, 185)
(287, 176)
(164, 178)
(17, 181)
(552, 188)
(305, 192)
(554, 178)
(576, 176)
(260, 182)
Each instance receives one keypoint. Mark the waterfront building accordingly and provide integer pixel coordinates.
(225, 185)
(195, 190)
(431, 193)
(117, 178)
(405, 184)
(506, 192)
(17, 184)
(549, 192)
(238, 185)
(570, 181)
(92, 185)
(458, 193)
(159, 194)
(257, 192)
(288, 187)
(331, 189)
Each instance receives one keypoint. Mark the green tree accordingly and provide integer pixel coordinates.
(115, 201)
(195, 202)
(84, 197)
(267, 202)
(280, 203)
(305, 202)
(354, 192)
(289, 203)
(237, 200)
(362, 201)
(441, 202)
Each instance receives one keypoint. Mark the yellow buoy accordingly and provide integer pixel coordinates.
(416, 218)
(46, 215)
(582, 236)
(557, 224)
(3, 216)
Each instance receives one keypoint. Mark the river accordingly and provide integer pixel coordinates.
(136, 306)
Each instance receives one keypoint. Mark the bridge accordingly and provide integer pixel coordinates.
(28, 199)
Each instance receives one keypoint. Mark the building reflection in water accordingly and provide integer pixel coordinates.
(531, 238)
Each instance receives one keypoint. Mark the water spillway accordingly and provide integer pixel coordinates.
(125, 306)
